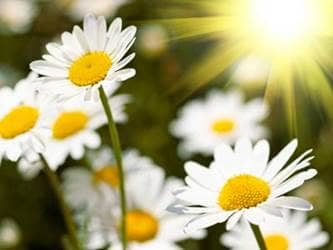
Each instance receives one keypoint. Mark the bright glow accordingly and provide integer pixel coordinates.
(292, 37)
(282, 20)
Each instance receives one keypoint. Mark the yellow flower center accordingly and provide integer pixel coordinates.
(68, 124)
(90, 69)
(243, 191)
(108, 175)
(223, 126)
(141, 226)
(276, 242)
(18, 121)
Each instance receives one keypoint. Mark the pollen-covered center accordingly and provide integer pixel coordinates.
(276, 242)
(243, 191)
(222, 126)
(68, 124)
(108, 175)
(141, 226)
(18, 121)
(90, 69)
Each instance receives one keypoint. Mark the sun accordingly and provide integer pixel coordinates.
(294, 37)
(283, 21)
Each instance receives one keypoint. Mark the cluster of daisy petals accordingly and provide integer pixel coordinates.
(55, 112)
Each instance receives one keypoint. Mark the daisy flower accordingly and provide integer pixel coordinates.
(153, 40)
(243, 183)
(292, 232)
(87, 188)
(221, 117)
(10, 234)
(149, 225)
(73, 128)
(87, 59)
(77, 9)
(24, 115)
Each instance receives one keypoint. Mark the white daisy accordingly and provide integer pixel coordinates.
(73, 128)
(24, 115)
(243, 183)
(153, 40)
(149, 225)
(87, 59)
(291, 232)
(10, 234)
(87, 188)
(251, 71)
(221, 117)
(77, 9)
(17, 15)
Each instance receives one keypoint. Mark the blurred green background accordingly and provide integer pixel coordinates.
(160, 63)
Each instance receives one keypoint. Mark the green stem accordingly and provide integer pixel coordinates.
(258, 235)
(56, 186)
(117, 152)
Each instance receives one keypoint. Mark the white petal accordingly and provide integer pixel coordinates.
(113, 35)
(206, 220)
(291, 202)
(122, 75)
(233, 220)
(260, 156)
(124, 62)
(203, 176)
(294, 182)
(278, 162)
(13, 152)
(90, 31)
(243, 146)
(81, 39)
(55, 50)
(101, 33)
(292, 168)
(197, 197)
(48, 69)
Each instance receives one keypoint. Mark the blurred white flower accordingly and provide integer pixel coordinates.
(292, 232)
(87, 189)
(17, 15)
(73, 128)
(152, 40)
(149, 225)
(221, 117)
(24, 115)
(251, 71)
(87, 59)
(77, 9)
(243, 183)
(10, 234)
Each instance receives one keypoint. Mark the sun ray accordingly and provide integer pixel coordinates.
(294, 37)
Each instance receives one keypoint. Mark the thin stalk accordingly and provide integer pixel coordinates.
(117, 152)
(258, 235)
(55, 184)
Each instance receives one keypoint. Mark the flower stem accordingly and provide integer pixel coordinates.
(258, 235)
(117, 152)
(55, 184)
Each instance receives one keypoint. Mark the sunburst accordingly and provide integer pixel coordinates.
(295, 37)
